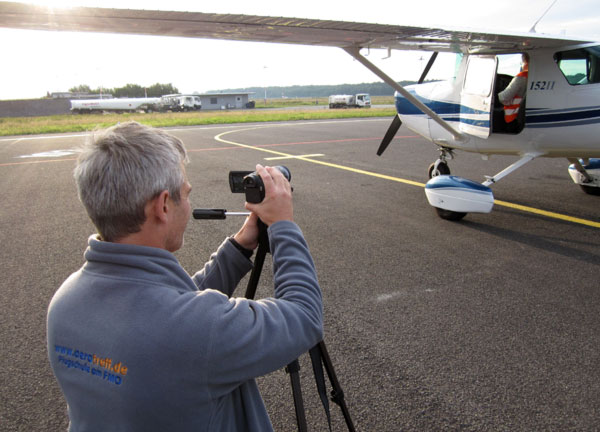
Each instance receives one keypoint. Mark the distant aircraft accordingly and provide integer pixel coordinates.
(558, 115)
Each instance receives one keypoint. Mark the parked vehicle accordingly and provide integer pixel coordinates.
(360, 100)
(179, 103)
(84, 106)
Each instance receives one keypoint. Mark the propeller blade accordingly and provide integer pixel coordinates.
(389, 135)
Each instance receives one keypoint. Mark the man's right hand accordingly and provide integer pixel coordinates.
(277, 204)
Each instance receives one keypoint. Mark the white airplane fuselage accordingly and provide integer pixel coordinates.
(560, 119)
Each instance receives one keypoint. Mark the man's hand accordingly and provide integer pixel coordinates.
(277, 204)
(247, 236)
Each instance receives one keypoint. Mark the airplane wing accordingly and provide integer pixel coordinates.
(268, 29)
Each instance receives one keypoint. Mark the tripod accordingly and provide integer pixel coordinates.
(318, 354)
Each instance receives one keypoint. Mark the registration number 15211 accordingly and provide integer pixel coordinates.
(542, 85)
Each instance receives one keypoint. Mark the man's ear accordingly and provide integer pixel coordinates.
(160, 206)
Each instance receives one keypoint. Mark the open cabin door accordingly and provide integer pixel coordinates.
(476, 95)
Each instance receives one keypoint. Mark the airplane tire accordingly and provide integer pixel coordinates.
(591, 190)
(443, 169)
(449, 215)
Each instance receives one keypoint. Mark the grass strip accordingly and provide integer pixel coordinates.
(10, 126)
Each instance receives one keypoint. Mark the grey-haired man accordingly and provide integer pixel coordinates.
(135, 342)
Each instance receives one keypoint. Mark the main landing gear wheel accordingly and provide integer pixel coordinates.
(449, 215)
(591, 190)
(443, 169)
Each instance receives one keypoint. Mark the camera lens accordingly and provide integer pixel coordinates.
(286, 172)
(255, 188)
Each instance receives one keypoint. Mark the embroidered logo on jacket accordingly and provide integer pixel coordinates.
(95, 365)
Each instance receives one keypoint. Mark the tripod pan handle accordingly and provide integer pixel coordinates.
(209, 213)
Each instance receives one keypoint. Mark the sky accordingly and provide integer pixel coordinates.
(37, 62)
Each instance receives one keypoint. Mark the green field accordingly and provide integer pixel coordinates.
(320, 101)
(77, 123)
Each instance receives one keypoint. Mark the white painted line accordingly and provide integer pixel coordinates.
(22, 138)
(51, 154)
(294, 157)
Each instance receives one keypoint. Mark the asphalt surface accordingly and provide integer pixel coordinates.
(491, 323)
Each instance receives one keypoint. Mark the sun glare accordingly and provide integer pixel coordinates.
(59, 4)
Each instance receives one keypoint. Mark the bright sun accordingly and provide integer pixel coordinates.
(59, 3)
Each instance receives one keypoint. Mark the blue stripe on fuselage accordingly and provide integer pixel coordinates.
(567, 117)
(535, 117)
(448, 111)
(404, 107)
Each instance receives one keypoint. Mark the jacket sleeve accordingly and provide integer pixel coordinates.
(515, 88)
(226, 267)
(250, 338)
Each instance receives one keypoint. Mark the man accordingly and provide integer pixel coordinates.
(512, 96)
(136, 344)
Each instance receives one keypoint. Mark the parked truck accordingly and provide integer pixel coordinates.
(360, 100)
(180, 102)
(85, 106)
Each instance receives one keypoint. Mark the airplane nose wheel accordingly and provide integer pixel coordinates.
(440, 167)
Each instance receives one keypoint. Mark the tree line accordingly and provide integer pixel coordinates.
(129, 90)
(374, 89)
(297, 91)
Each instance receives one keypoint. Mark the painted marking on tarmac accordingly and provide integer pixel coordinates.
(399, 180)
(31, 138)
(52, 153)
(37, 162)
(548, 213)
(387, 297)
(287, 144)
(294, 157)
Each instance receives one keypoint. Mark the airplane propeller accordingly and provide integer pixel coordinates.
(389, 135)
(396, 123)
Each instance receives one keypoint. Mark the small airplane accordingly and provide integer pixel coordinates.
(558, 115)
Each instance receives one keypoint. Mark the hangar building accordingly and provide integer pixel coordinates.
(218, 101)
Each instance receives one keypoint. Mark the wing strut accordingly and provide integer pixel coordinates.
(518, 164)
(355, 52)
(426, 70)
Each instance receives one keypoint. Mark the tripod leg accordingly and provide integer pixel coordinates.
(293, 368)
(255, 275)
(261, 253)
(337, 394)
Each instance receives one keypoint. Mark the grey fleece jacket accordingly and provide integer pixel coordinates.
(136, 344)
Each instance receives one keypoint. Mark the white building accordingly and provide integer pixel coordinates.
(218, 101)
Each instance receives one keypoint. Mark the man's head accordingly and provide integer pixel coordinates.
(121, 169)
(524, 62)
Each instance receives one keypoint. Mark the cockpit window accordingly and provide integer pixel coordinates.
(580, 66)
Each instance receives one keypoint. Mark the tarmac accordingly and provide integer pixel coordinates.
(490, 323)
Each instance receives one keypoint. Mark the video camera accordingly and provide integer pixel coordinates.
(250, 183)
